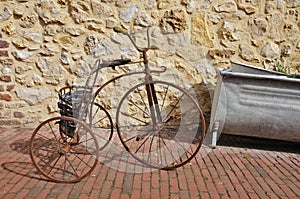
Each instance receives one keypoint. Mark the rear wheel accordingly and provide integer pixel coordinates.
(64, 149)
(101, 125)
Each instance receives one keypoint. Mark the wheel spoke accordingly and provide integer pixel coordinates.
(169, 143)
(135, 118)
(57, 158)
(142, 98)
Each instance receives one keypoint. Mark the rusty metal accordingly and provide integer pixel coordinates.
(77, 104)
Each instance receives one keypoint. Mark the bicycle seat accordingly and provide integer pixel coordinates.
(118, 62)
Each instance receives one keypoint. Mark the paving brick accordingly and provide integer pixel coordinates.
(22, 193)
(119, 180)
(155, 180)
(124, 196)
(127, 183)
(173, 184)
(106, 189)
(116, 193)
(193, 190)
(164, 190)
(182, 181)
(146, 189)
(155, 193)
(136, 194)
(226, 172)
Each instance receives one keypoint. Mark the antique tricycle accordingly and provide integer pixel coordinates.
(159, 123)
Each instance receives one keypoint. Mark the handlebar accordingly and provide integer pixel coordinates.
(119, 29)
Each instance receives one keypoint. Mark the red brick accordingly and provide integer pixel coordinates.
(182, 181)
(146, 177)
(124, 196)
(5, 97)
(83, 196)
(119, 180)
(5, 78)
(194, 192)
(88, 186)
(220, 187)
(128, 183)
(204, 195)
(111, 175)
(4, 44)
(23, 193)
(95, 193)
(43, 193)
(174, 196)
(241, 191)
(164, 190)
(155, 193)
(19, 115)
(10, 196)
(155, 180)
(212, 190)
(10, 87)
(10, 123)
(136, 194)
(163, 176)
(290, 193)
(116, 193)
(106, 189)
(200, 183)
(183, 194)
(3, 53)
(74, 193)
(145, 192)
(253, 196)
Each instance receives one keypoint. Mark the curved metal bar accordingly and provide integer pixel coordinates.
(164, 69)
(113, 79)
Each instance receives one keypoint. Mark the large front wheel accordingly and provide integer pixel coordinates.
(160, 124)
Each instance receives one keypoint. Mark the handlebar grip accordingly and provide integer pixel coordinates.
(120, 29)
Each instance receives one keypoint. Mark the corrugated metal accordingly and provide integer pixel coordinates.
(255, 102)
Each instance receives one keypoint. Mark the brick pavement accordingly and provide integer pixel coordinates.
(237, 168)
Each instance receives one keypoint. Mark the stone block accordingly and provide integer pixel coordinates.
(200, 30)
(5, 114)
(173, 21)
(33, 96)
(15, 105)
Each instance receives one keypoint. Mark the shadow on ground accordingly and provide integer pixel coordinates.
(258, 143)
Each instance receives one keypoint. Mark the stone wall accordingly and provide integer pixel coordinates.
(47, 44)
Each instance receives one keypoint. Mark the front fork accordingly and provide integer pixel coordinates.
(153, 102)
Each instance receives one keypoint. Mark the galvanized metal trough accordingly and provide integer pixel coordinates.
(255, 102)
